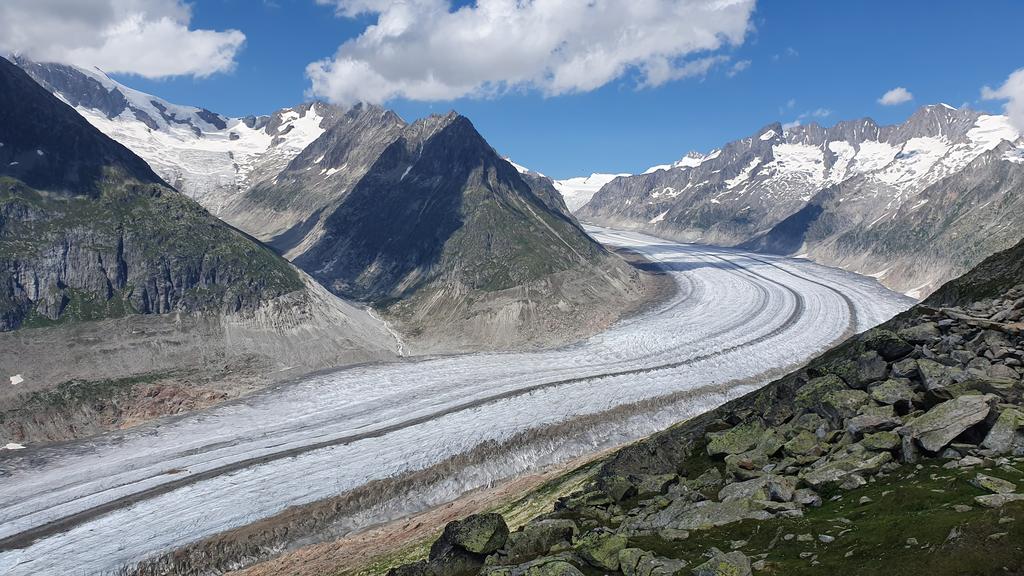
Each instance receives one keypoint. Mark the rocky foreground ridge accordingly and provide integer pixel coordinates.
(900, 451)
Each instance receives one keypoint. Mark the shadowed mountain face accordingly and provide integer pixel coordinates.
(87, 230)
(48, 146)
(914, 204)
(440, 204)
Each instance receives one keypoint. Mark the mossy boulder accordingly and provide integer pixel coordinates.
(477, 534)
(895, 392)
(735, 440)
(887, 343)
(944, 422)
(725, 564)
(601, 549)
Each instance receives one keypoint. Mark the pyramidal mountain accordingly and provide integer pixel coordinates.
(423, 220)
(914, 204)
(106, 272)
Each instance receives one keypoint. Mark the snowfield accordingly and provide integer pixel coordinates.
(737, 321)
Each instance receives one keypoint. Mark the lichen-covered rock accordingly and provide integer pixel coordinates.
(478, 534)
(924, 333)
(557, 565)
(888, 345)
(838, 466)
(536, 539)
(638, 562)
(998, 500)
(938, 377)
(881, 441)
(617, 488)
(906, 368)
(996, 485)
(601, 549)
(804, 447)
(656, 484)
(895, 392)
(735, 440)
(1007, 434)
(874, 419)
(734, 563)
(944, 422)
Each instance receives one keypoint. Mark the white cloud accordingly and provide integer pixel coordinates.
(1013, 92)
(897, 95)
(738, 67)
(150, 38)
(816, 113)
(422, 50)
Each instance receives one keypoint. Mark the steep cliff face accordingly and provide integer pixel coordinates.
(89, 231)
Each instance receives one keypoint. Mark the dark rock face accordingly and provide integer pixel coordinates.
(88, 231)
(48, 146)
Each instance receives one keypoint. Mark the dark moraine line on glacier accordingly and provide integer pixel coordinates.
(25, 538)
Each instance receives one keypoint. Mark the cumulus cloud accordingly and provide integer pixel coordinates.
(897, 95)
(425, 50)
(1013, 92)
(150, 38)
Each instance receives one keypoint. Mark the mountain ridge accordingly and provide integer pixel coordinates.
(761, 191)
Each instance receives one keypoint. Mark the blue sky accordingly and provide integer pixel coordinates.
(807, 57)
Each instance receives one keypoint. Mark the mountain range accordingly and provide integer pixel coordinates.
(913, 204)
(424, 221)
(108, 273)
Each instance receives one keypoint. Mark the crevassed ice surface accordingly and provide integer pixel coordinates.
(736, 317)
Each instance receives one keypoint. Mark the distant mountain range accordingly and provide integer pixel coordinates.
(423, 220)
(914, 204)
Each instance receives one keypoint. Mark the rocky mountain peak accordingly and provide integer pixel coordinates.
(48, 146)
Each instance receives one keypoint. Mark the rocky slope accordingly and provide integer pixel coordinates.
(868, 198)
(901, 450)
(107, 273)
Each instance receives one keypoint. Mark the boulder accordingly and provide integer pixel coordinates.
(905, 368)
(998, 500)
(735, 440)
(894, 392)
(924, 333)
(708, 479)
(938, 377)
(638, 562)
(996, 485)
(881, 441)
(769, 487)
(807, 497)
(1007, 434)
(838, 466)
(477, 534)
(944, 422)
(655, 484)
(617, 488)
(536, 539)
(558, 565)
(888, 345)
(804, 447)
(874, 419)
(733, 563)
(601, 549)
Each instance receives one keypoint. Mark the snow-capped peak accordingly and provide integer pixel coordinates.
(578, 191)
